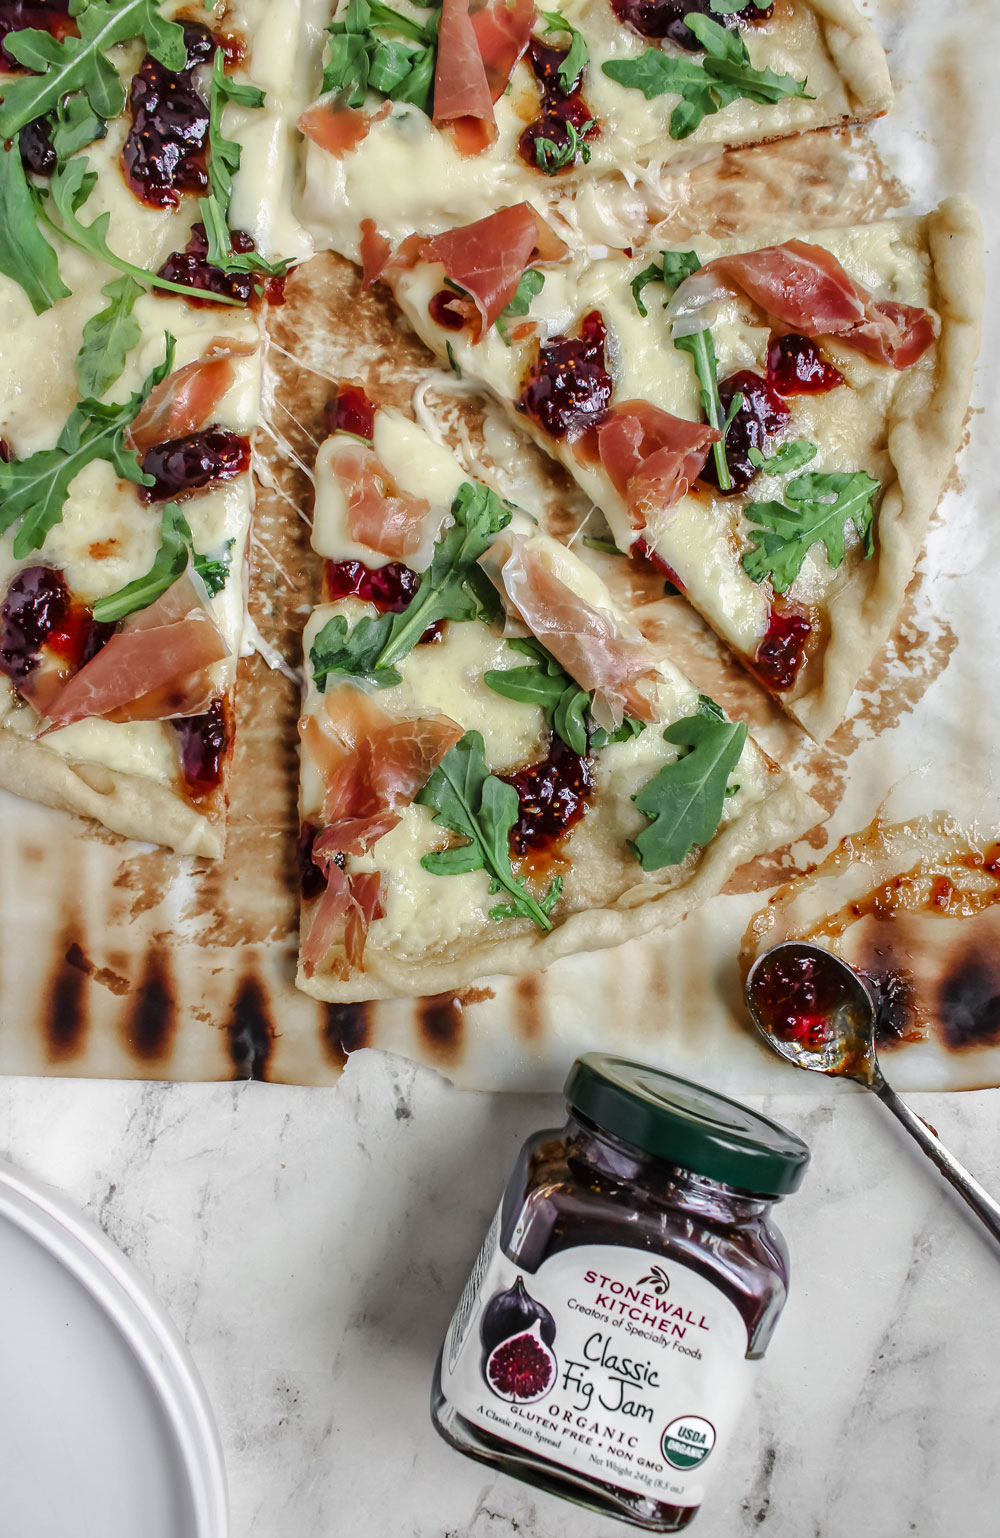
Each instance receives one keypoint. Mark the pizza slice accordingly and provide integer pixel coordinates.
(431, 116)
(497, 769)
(129, 395)
(771, 427)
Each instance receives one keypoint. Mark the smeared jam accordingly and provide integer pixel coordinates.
(203, 741)
(192, 268)
(312, 883)
(165, 152)
(762, 414)
(182, 466)
(665, 18)
(796, 366)
(642, 550)
(16, 15)
(389, 587)
(553, 797)
(560, 109)
(782, 652)
(38, 612)
(351, 411)
(569, 388)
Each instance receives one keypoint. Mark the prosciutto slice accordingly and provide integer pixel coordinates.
(487, 258)
(806, 288)
(154, 669)
(502, 33)
(462, 94)
(392, 522)
(607, 656)
(375, 252)
(339, 129)
(652, 457)
(187, 398)
(346, 910)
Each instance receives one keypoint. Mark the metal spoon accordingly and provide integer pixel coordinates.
(816, 1011)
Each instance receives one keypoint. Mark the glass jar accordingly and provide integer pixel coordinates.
(629, 1283)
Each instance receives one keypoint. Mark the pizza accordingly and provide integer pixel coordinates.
(771, 426)
(498, 769)
(498, 766)
(429, 117)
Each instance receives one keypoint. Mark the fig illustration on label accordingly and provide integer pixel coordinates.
(517, 1333)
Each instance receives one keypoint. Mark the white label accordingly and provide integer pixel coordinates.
(624, 1368)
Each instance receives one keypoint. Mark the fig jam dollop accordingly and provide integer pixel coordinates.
(351, 411)
(552, 795)
(39, 611)
(34, 145)
(796, 366)
(560, 107)
(782, 652)
(388, 587)
(165, 153)
(182, 466)
(203, 741)
(569, 387)
(762, 414)
(666, 18)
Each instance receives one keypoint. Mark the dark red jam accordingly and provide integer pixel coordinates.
(165, 152)
(182, 466)
(762, 414)
(553, 796)
(192, 268)
(442, 310)
(39, 611)
(351, 411)
(665, 18)
(35, 148)
(796, 997)
(16, 15)
(641, 549)
(782, 652)
(569, 388)
(560, 109)
(203, 741)
(390, 588)
(795, 366)
(311, 880)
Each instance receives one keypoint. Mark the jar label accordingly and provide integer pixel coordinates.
(627, 1369)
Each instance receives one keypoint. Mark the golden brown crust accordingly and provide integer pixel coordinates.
(858, 55)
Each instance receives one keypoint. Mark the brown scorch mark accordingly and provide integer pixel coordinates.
(345, 1028)
(65, 1017)
(527, 1013)
(106, 976)
(440, 1022)
(152, 1018)
(250, 1031)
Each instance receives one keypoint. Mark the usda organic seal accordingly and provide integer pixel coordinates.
(687, 1441)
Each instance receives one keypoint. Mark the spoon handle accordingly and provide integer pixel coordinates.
(980, 1200)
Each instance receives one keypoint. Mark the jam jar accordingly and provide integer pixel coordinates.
(629, 1284)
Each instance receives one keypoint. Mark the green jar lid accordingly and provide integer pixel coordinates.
(686, 1124)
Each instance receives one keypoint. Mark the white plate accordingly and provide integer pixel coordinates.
(105, 1428)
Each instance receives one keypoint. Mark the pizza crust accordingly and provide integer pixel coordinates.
(858, 55)
(924, 432)
(126, 803)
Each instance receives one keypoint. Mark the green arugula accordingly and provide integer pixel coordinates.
(223, 163)
(81, 64)
(551, 157)
(25, 254)
(578, 55)
(470, 801)
(399, 65)
(108, 337)
(74, 125)
(730, 7)
(606, 546)
(546, 683)
(530, 284)
(707, 85)
(786, 458)
(684, 800)
(779, 548)
(673, 269)
(169, 563)
(454, 586)
(34, 490)
(702, 349)
(68, 189)
(453, 361)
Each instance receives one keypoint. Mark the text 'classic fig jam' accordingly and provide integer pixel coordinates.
(607, 1338)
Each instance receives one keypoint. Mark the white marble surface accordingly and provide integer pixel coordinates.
(310, 1244)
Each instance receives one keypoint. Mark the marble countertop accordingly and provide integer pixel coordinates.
(311, 1243)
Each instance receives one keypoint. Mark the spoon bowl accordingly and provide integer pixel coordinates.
(814, 1010)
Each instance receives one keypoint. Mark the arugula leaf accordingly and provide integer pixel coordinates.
(547, 684)
(470, 801)
(34, 490)
(361, 58)
(108, 337)
(551, 157)
(684, 800)
(82, 63)
(707, 85)
(572, 65)
(674, 268)
(68, 189)
(25, 254)
(214, 570)
(607, 546)
(531, 282)
(169, 563)
(453, 361)
(779, 548)
(630, 727)
(786, 458)
(74, 125)
(223, 163)
(730, 7)
(702, 349)
(454, 586)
